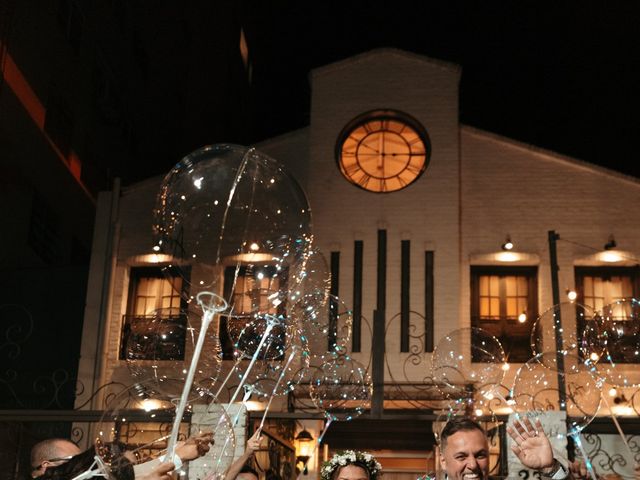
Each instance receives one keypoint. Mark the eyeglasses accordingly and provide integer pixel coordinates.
(53, 460)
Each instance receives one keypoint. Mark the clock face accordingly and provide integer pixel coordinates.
(383, 151)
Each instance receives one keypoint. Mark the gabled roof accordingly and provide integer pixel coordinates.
(283, 138)
(549, 154)
(378, 52)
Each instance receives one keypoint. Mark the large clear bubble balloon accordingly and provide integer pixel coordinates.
(137, 425)
(227, 212)
(621, 329)
(341, 388)
(570, 328)
(160, 346)
(468, 359)
(538, 389)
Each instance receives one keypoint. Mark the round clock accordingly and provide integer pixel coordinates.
(383, 151)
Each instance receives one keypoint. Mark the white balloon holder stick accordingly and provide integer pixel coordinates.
(275, 389)
(271, 322)
(97, 469)
(211, 304)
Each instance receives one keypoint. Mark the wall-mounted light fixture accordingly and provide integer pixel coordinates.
(611, 243)
(508, 244)
(303, 444)
(571, 294)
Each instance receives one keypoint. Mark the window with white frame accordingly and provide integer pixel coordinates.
(504, 304)
(155, 323)
(599, 288)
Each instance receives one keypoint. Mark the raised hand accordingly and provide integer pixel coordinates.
(195, 446)
(532, 447)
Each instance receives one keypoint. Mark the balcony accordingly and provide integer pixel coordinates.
(153, 337)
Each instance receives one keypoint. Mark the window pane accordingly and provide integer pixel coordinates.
(523, 286)
(484, 307)
(588, 286)
(511, 286)
(522, 304)
(598, 287)
(512, 307)
(495, 286)
(484, 285)
(495, 307)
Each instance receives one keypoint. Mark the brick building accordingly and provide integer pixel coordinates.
(428, 256)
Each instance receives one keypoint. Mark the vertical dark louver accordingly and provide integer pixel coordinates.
(428, 301)
(357, 295)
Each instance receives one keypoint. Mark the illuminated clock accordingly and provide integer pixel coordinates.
(383, 151)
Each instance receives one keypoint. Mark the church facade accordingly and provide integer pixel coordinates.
(414, 213)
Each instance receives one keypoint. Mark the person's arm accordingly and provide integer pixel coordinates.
(253, 445)
(160, 472)
(533, 449)
(194, 447)
(578, 470)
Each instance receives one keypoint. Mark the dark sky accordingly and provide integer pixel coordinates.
(560, 75)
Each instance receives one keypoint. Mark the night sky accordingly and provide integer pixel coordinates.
(559, 75)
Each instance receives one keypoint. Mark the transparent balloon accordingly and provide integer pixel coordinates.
(137, 425)
(572, 388)
(225, 213)
(325, 323)
(160, 346)
(311, 278)
(265, 335)
(466, 359)
(341, 388)
(621, 329)
(570, 328)
(278, 376)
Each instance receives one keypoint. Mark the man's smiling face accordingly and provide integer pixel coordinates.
(466, 456)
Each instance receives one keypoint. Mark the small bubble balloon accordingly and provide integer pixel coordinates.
(570, 328)
(226, 212)
(341, 388)
(311, 278)
(537, 389)
(325, 323)
(621, 329)
(466, 359)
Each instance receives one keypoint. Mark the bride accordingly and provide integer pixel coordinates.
(351, 465)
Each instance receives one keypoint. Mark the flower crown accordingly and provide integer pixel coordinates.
(348, 457)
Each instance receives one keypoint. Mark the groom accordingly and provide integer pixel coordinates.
(465, 450)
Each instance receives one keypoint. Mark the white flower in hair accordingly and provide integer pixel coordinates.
(341, 459)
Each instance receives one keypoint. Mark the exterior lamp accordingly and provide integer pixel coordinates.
(303, 443)
(611, 243)
(508, 244)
